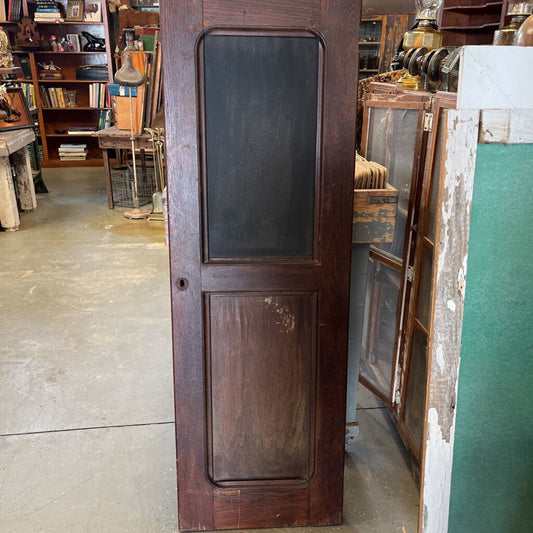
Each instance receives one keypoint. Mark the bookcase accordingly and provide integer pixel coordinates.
(55, 122)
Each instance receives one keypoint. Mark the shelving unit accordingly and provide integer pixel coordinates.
(473, 23)
(379, 37)
(372, 33)
(50, 118)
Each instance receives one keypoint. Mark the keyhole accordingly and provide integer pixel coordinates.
(182, 284)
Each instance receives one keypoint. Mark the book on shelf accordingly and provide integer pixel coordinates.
(29, 93)
(98, 95)
(82, 128)
(50, 74)
(48, 17)
(67, 147)
(72, 152)
(14, 10)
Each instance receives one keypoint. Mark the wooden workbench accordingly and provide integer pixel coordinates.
(115, 139)
(15, 144)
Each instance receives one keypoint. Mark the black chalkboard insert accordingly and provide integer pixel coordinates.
(261, 145)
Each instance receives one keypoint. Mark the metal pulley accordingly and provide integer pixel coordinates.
(430, 69)
(438, 69)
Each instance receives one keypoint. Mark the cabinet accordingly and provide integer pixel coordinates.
(54, 123)
(372, 33)
(379, 37)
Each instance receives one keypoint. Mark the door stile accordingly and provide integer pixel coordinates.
(184, 221)
(340, 29)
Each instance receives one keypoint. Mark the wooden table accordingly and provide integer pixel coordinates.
(15, 144)
(115, 139)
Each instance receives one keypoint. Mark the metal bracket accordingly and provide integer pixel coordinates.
(410, 274)
(428, 122)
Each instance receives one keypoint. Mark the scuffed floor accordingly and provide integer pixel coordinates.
(86, 414)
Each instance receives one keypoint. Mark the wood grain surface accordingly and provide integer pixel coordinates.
(261, 363)
(259, 409)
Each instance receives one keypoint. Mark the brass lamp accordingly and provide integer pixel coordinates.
(423, 36)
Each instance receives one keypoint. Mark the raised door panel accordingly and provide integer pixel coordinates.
(261, 363)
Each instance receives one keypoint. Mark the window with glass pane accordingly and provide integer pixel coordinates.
(380, 325)
(392, 136)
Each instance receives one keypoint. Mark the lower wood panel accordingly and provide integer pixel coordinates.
(249, 509)
(261, 361)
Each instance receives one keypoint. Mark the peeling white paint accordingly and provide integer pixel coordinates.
(439, 455)
(451, 252)
(288, 322)
(439, 358)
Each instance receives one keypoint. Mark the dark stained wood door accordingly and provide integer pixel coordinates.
(260, 129)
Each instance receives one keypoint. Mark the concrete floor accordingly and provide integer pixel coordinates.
(86, 416)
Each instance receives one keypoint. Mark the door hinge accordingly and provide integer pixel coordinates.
(397, 397)
(410, 274)
(428, 122)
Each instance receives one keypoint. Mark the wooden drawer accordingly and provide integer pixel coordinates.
(374, 215)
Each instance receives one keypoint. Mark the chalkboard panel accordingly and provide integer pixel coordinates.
(260, 97)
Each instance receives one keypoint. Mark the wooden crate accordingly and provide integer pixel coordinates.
(374, 215)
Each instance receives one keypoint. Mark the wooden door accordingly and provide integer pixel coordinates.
(260, 115)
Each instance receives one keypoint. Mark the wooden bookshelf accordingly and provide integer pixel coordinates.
(51, 118)
(471, 22)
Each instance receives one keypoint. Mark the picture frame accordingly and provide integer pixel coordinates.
(19, 116)
(74, 40)
(93, 11)
(75, 10)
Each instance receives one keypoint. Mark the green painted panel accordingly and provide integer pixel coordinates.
(492, 474)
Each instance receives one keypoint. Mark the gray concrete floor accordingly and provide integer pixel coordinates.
(86, 417)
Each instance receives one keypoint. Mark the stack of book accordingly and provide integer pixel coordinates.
(47, 11)
(73, 152)
(11, 10)
(98, 95)
(53, 97)
(29, 92)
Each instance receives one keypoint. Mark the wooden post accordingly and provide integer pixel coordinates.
(9, 216)
(24, 180)
(444, 350)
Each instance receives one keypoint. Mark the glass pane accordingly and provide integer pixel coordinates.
(261, 96)
(392, 143)
(369, 57)
(435, 181)
(370, 31)
(379, 329)
(425, 287)
(416, 388)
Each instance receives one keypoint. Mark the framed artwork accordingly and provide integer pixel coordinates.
(93, 11)
(14, 111)
(75, 10)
